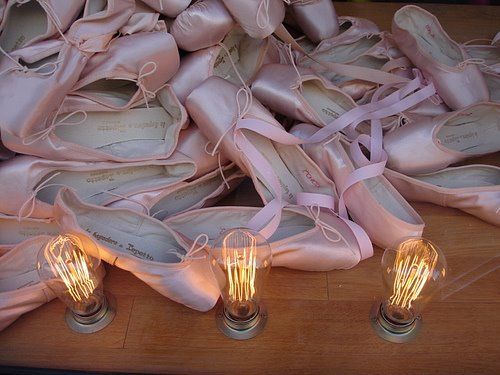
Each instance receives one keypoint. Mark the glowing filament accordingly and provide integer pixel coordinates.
(240, 264)
(413, 266)
(68, 261)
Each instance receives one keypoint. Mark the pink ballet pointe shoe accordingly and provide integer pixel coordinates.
(213, 107)
(305, 239)
(373, 203)
(259, 18)
(316, 18)
(25, 23)
(170, 8)
(205, 191)
(457, 78)
(488, 58)
(49, 81)
(89, 131)
(202, 25)
(444, 140)
(21, 289)
(247, 54)
(144, 246)
(144, 19)
(474, 189)
(13, 231)
(194, 145)
(34, 183)
(300, 94)
(136, 75)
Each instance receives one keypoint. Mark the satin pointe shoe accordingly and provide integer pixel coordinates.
(13, 231)
(213, 107)
(306, 97)
(170, 8)
(474, 189)
(194, 145)
(305, 239)
(134, 67)
(144, 19)
(204, 24)
(33, 183)
(144, 246)
(247, 54)
(48, 70)
(488, 56)
(317, 19)
(205, 191)
(457, 78)
(444, 140)
(25, 23)
(259, 18)
(89, 131)
(373, 203)
(21, 289)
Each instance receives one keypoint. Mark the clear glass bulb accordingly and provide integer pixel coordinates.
(412, 271)
(72, 274)
(241, 260)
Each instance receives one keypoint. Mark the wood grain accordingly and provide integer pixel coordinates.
(318, 322)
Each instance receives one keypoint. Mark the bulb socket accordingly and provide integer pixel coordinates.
(393, 330)
(241, 329)
(97, 320)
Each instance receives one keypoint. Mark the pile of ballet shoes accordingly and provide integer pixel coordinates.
(123, 122)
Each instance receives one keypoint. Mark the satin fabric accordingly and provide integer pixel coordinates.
(170, 8)
(382, 226)
(419, 138)
(193, 144)
(15, 263)
(316, 18)
(458, 86)
(144, 19)
(5, 153)
(259, 18)
(64, 11)
(466, 195)
(54, 148)
(202, 25)
(123, 60)
(490, 54)
(197, 66)
(278, 87)
(22, 115)
(21, 176)
(213, 107)
(195, 190)
(189, 282)
(307, 248)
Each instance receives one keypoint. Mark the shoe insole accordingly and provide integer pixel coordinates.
(327, 104)
(429, 36)
(188, 196)
(24, 22)
(102, 129)
(13, 232)
(132, 234)
(474, 132)
(243, 51)
(214, 222)
(289, 184)
(465, 177)
(92, 185)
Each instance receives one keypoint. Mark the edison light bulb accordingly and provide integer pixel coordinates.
(76, 279)
(412, 272)
(241, 260)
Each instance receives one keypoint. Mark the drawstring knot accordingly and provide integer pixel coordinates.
(195, 248)
(147, 94)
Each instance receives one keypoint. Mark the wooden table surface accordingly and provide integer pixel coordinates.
(318, 322)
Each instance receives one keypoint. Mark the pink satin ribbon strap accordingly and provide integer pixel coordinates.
(315, 199)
